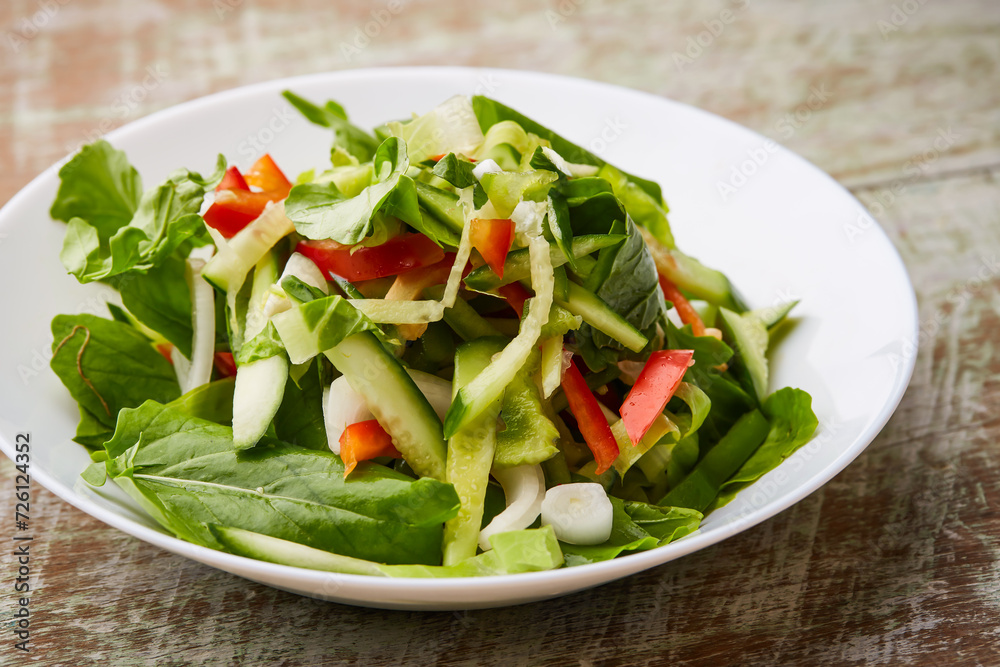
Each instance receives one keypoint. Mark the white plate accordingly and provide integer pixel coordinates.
(788, 231)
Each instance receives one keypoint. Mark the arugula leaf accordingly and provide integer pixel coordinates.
(188, 473)
(320, 211)
(98, 185)
(346, 136)
(490, 112)
(164, 218)
(793, 424)
(108, 366)
(635, 527)
(161, 300)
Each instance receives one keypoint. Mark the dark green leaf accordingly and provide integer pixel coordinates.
(161, 300)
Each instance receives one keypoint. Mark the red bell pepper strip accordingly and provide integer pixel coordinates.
(589, 418)
(515, 294)
(397, 255)
(265, 175)
(225, 364)
(363, 441)
(684, 308)
(492, 238)
(232, 180)
(235, 206)
(165, 349)
(657, 382)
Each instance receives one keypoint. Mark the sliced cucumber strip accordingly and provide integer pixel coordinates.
(599, 315)
(394, 399)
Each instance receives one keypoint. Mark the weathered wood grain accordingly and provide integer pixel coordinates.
(895, 561)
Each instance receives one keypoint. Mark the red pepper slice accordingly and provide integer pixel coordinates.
(492, 238)
(657, 382)
(166, 349)
(236, 206)
(397, 255)
(684, 308)
(232, 180)
(225, 364)
(265, 175)
(363, 441)
(589, 418)
(515, 294)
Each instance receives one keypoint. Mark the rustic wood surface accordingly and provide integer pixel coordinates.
(895, 561)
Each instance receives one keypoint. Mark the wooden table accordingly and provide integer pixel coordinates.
(896, 561)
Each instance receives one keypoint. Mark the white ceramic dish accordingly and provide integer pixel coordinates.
(785, 230)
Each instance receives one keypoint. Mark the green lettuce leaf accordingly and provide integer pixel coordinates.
(635, 527)
(161, 299)
(107, 366)
(320, 210)
(793, 424)
(187, 473)
(164, 218)
(490, 112)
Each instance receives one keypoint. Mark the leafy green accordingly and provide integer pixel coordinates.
(702, 485)
(346, 136)
(301, 291)
(108, 366)
(793, 424)
(212, 401)
(490, 112)
(321, 211)
(189, 474)
(635, 527)
(299, 419)
(314, 327)
(641, 206)
(264, 345)
(164, 218)
(161, 300)
(100, 186)
(631, 288)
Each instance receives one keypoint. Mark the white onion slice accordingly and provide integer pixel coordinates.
(579, 513)
(524, 487)
(342, 406)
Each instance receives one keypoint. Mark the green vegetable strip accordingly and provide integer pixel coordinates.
(474, 397)
(470, 455)
(701, 486)
(519, 265)
(513, 552)
(599, 315)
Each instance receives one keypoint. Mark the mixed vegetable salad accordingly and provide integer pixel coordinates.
(467, 346)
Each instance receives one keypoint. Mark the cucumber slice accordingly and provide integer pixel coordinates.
(260, 386)
(599, 315)
(748, 335)
(518, 265)
(470, 454)
(395, 400)
(229, 268)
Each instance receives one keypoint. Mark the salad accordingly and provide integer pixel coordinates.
(466, 346)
